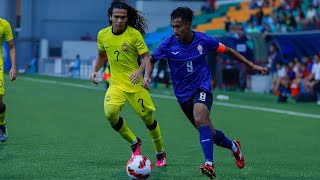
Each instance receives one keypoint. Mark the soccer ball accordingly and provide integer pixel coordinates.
(139, 167)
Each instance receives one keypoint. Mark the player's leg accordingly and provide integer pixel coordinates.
(219, 138)
(187, 108)
(202, 103)
(206, 134)
(142, 104)
(155, 134)
(113, 102)
(234, 145)
(198, 114)
(3, 128)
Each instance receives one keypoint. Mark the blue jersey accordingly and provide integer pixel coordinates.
(189, 69)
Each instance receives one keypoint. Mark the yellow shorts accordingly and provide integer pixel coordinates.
(140, 101)
(1, 81)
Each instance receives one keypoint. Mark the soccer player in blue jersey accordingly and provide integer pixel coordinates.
(185, 51)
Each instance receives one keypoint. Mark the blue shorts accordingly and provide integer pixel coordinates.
(198, 97)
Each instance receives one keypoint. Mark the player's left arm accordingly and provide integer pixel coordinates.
(135, 76)
(236, 55)
(13, 70)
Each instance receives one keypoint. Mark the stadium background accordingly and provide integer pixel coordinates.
(56, 124)
(54, 32)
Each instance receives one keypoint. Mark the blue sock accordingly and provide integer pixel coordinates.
(221, 140)
(206, 140)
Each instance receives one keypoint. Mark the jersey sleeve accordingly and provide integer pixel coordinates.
(8, 32)
(159, 53)
(140, 44)
(215, 45)
(99, 41)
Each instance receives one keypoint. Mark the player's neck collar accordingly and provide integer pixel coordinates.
(119, 33)
(189, 42)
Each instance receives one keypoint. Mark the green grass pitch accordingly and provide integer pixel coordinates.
(57, 130)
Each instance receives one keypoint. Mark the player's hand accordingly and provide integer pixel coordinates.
(135, 77)
(146, 83)
(261, 70)
(13, 73)
(93, 77)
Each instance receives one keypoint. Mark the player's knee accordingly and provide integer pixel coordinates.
(111, 113)
(148, 119)
(153, 125)
(201, 119)
(200, 122)
(2, 108)
(117, 126)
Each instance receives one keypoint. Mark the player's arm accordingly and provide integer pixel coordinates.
(13, 70)
(135, 76)
(236, 55)
(99, 63)
(149, 68)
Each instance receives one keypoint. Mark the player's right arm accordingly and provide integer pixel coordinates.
(148, 71)
(9, 38)
(13, 70)
(157, 54)
(100, 60)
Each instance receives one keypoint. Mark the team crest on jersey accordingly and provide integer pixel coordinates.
(200, 49)
(124, 47)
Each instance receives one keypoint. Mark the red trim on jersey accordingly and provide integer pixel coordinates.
(221, 48)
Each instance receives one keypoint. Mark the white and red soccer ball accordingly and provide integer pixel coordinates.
(139, 167)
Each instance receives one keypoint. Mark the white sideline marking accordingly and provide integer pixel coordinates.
(251, 107)
(239, 106)
(94, 87)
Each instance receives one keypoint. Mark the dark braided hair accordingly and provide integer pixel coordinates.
(135, 17)
(185, 13)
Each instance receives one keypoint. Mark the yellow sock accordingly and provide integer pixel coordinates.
(154, 131)
(156, 138)
(125, 132)
(118, 124)
(2, 116)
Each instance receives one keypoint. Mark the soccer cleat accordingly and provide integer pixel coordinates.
(136, 148)
(208, 170)
(3, 133)
(238, 157)
(161, 159)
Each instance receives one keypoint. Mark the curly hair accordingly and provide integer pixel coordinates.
(135, 17)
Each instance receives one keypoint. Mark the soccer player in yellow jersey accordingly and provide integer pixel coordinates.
(5, 34)
(122, 43)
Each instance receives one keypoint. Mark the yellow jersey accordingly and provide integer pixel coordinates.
(123, 51)
(5, 34)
